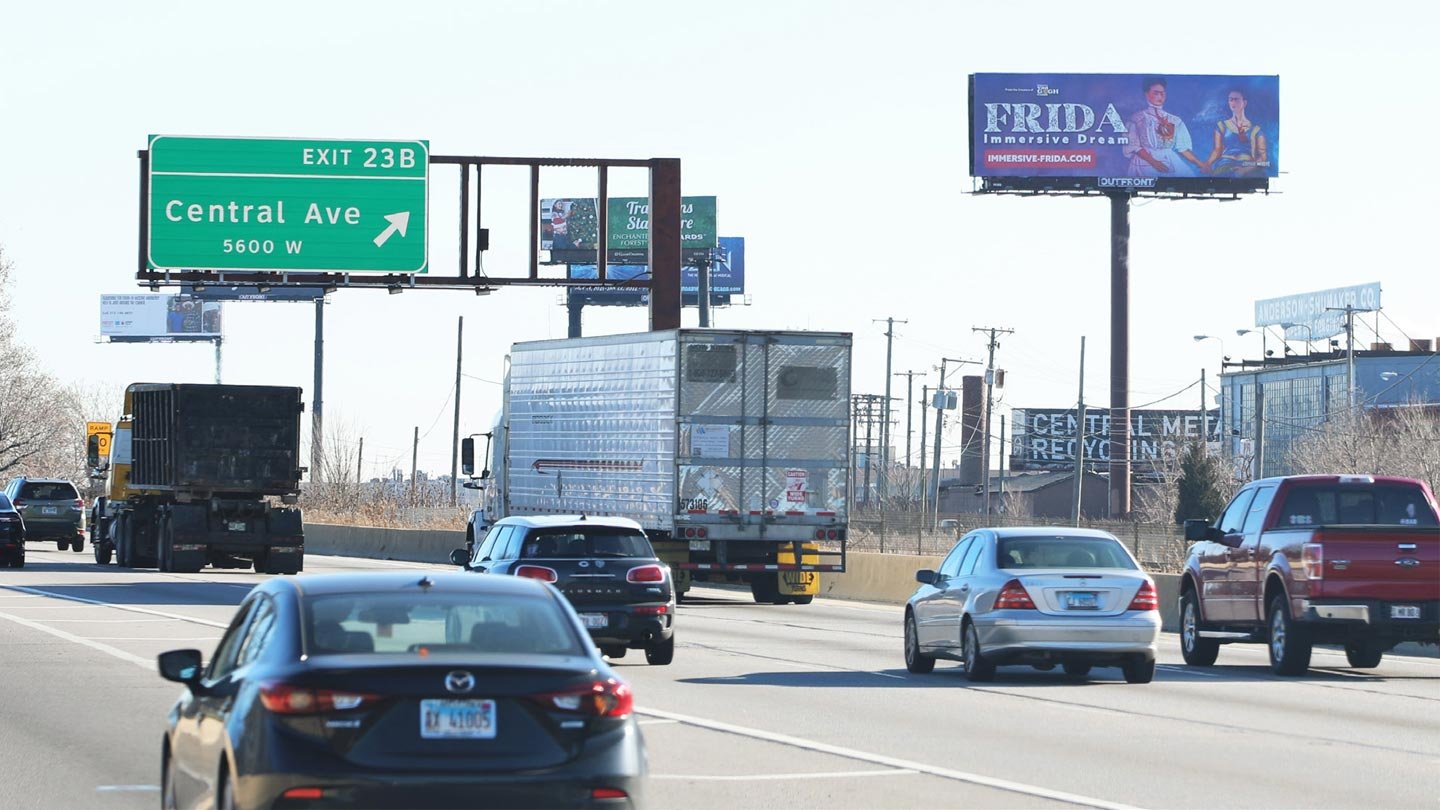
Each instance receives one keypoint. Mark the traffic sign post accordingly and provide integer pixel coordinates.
(288, 205)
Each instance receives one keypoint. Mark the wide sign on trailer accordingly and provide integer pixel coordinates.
(288, 205)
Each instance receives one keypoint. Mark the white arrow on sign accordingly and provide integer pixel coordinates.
(398, 222)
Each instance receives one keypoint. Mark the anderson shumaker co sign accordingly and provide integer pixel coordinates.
(1045, 438)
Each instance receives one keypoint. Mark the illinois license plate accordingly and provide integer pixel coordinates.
(457, 719)
(1082, 600)
(1404, 611)
(594, 620)
(49, 510)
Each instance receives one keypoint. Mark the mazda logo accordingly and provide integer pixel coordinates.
(459, 681)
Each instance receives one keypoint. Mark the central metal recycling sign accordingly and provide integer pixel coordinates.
(289, 205)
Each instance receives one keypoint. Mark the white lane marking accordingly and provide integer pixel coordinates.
(153, 638)
(1187, 670)
(131, 608)
(108, 621)
(777, 777)
(657, 722)
(143, 663)
(889, 762)
(127, 788)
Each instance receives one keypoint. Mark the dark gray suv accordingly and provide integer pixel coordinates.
(51, 509)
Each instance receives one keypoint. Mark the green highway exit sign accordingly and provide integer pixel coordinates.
(290, 205)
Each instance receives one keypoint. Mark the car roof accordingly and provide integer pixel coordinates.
(27, 479)
(553, 521)
(402, 581)
(1051, 531)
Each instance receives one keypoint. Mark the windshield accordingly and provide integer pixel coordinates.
(1379, 505)
(1063, 552)
(5, 504)
(431, 623)
(570, 543)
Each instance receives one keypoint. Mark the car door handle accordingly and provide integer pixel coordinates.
(965, 587)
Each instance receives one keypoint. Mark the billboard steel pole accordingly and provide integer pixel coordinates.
(317, 398)
(1119, 355)
(665, 253)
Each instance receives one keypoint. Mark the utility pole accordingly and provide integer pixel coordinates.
(414, 462)
(360, 463)
(1080, 438)
(455, 437)
(885, 459)
(924, 490)
(989, 400)
(909, 411)
(1002, 461)
(702, 268)
(1204, 419)
(1349, 311)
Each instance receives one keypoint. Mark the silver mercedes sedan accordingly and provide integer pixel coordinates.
(1038, 596)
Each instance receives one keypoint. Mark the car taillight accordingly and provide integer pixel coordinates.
(651, 610)
(19, 502)
(282, 698)
(602, 794)
(608, 698)
(1145, 598)
(539, 572)
(79, 503)
(1014, 597)
(312, 793)
(646, 573)
(1312, 558)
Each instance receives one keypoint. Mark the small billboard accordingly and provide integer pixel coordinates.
(1316, 315)
(1045, 438)
(1105, 131)
(727, 278)
(568, 224)
(158, 317)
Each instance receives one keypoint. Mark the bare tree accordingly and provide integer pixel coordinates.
(1402, 441)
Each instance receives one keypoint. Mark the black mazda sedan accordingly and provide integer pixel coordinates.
(401, 690)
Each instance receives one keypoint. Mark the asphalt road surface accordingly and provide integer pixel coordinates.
(774, 706)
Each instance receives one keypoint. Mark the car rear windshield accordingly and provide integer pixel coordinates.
(1379, 505)
(432, 623)
(569, 543)
(1063, 552)
(49, 491)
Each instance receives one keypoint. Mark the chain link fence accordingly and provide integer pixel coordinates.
(1160, 547)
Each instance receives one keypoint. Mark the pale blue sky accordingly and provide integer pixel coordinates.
(833, 134)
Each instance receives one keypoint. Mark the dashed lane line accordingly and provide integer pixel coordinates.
(131, 608)
(144, 663)
(889, 762)
(777, 777)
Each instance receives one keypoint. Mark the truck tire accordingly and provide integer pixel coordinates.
(163, 542)
(803, 600)
(1363, 654)
(78, 544)
(765, 589)
(661, 653)
(1290, 644)
(616, 651)
(123, 551)
(915, 661)
(102, 552)
(1197, 651)
(61, 545)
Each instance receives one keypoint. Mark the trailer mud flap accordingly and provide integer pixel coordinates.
(799, 583)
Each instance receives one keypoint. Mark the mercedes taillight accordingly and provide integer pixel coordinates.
(1014, 597)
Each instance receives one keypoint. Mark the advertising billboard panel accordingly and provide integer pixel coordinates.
(1313, 315)
(727, 278)
(1101, 131)
(212, 292)
(574, 223)
(1044, 438)
(158, 317)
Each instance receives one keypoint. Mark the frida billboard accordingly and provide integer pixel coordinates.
(1102, 131)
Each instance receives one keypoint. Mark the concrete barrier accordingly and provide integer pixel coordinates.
(412, 545)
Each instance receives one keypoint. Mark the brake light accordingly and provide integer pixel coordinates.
(282, 698)
(304, 793)
(19, 502)
(608, 698)
(651, 610)
(1146, 598)
(1312, 558)
(539, 572)
(601, 794)
(646, 573)
(79, 503)
(1014, 597)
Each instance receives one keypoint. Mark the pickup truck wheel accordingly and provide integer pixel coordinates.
(78, 544)
(978, 668)
(915, 661)
(1290, 643)
(616, 651)
(1363, 655)
(1076, 669)
(1197, 651)
(102, 553)
(1139, 670)
(661, 652)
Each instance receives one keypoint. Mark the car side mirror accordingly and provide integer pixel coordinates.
(181, 666)
(460, 557)
(926, 576)
(1229, 540)
(467, 456)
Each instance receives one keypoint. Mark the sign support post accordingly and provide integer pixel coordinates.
(1119, 355)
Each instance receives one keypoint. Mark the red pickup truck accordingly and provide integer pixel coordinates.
(1314, 559)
